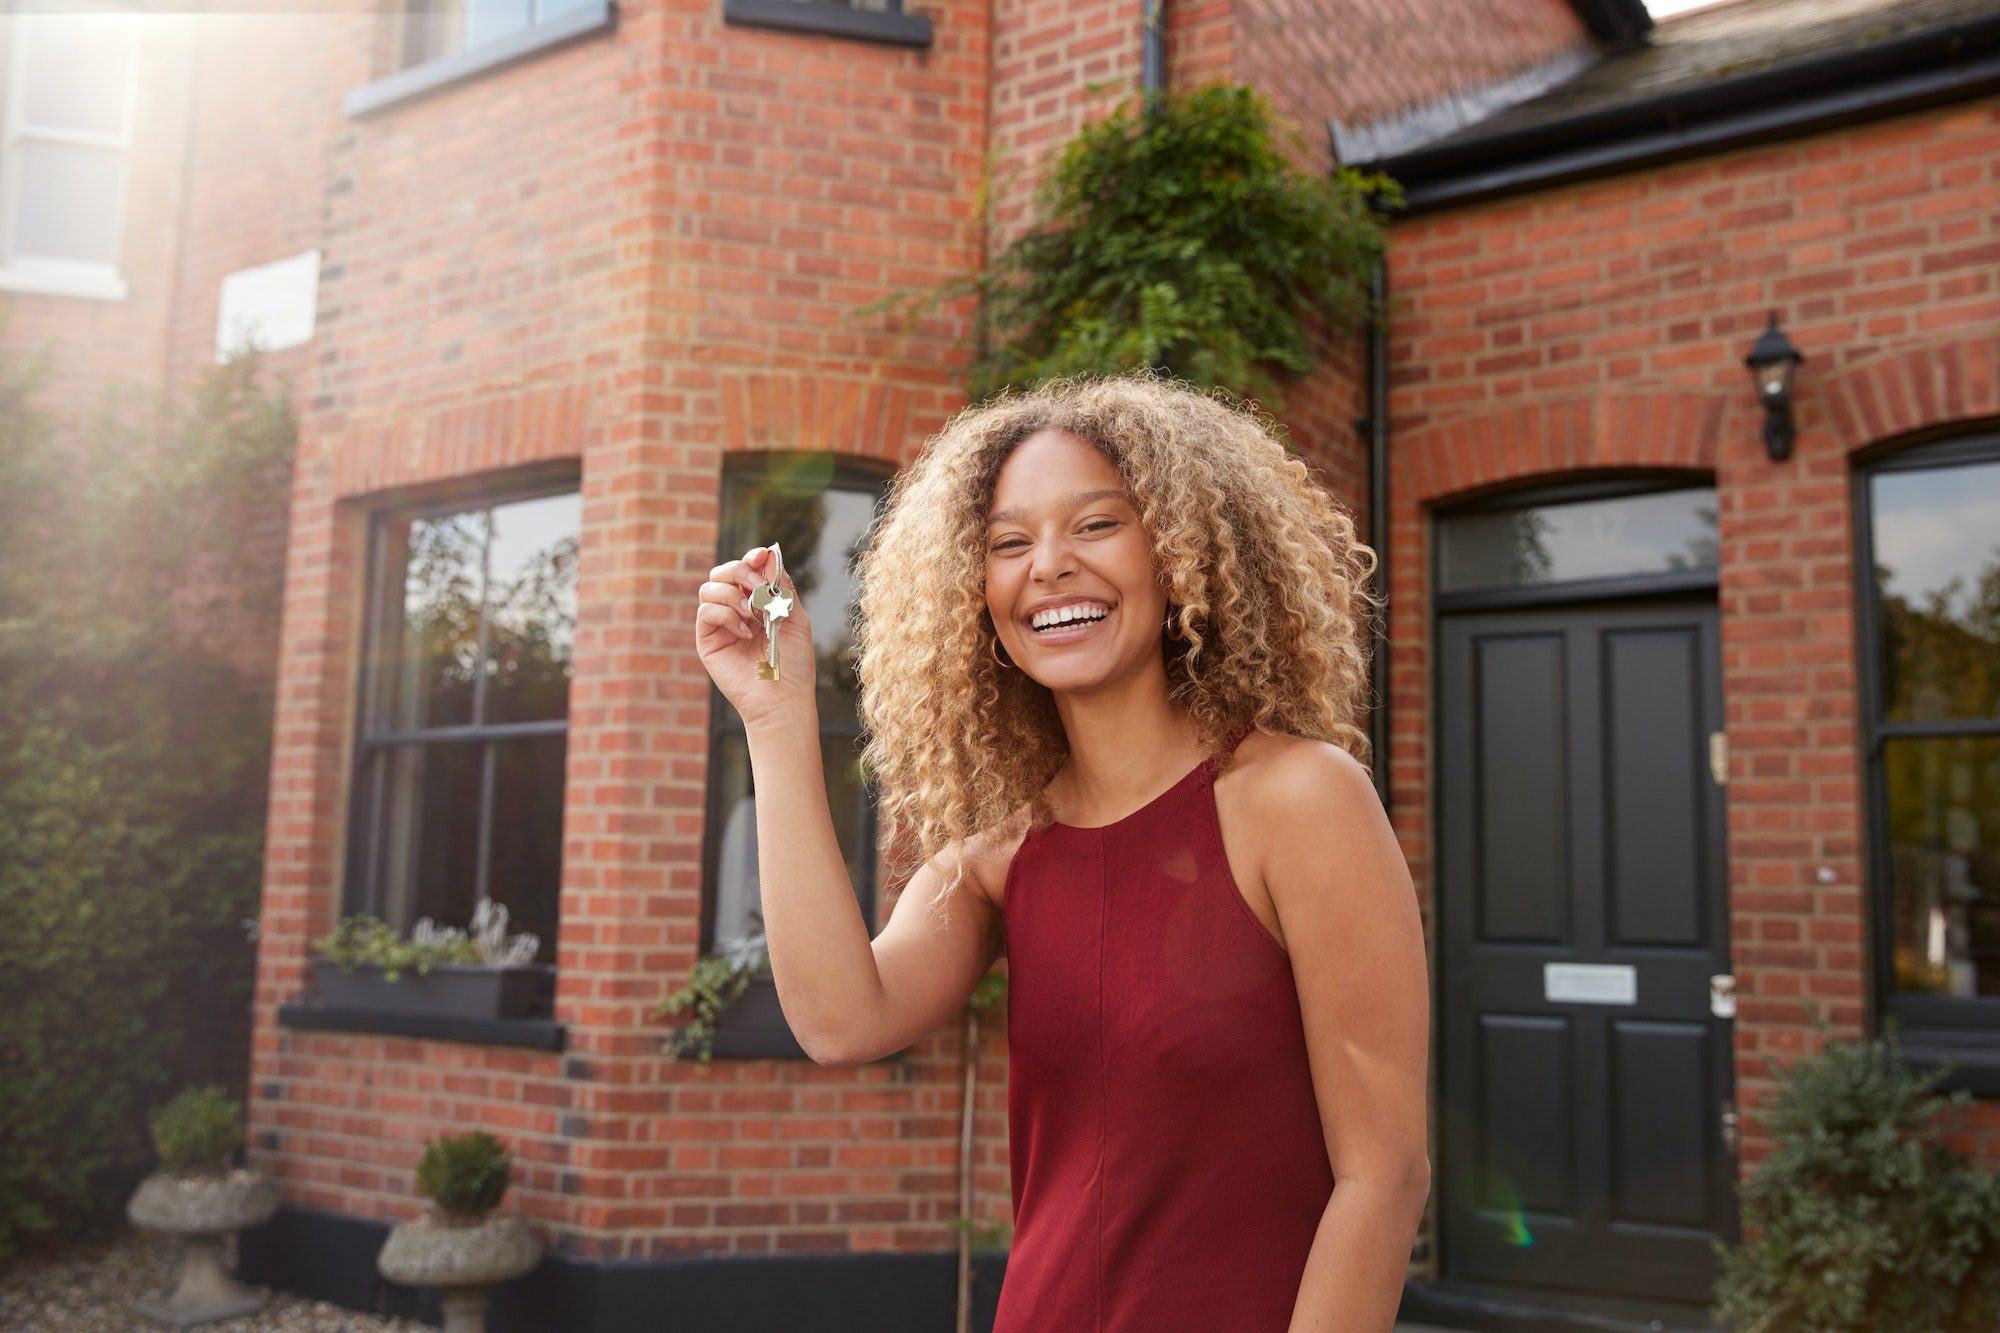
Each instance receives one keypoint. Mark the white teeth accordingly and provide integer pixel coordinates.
(1067, 614)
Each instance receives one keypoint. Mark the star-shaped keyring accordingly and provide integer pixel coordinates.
(770, 601)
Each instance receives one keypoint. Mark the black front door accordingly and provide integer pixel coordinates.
(1582, 919)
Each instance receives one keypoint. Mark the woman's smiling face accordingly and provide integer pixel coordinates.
(1064, 531)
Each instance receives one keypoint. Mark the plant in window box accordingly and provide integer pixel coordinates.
(463, 1244)
(197, 1196)
(718, 979)
(486, 973)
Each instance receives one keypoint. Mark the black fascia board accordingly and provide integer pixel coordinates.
(1948, 63)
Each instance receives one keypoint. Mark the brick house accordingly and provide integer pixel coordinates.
(569, 290)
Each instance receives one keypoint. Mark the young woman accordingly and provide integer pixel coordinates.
(1112, 647)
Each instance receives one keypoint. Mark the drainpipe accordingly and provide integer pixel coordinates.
(1377, 424)
(1153, 34)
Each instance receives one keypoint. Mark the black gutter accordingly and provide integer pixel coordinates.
(1153, 47)
(1947, 63)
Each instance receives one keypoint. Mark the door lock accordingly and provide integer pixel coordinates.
(1729, 1125)
(1722, 995)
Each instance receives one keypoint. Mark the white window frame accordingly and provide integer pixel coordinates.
(31, 273)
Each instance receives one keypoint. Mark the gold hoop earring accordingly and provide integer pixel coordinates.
(993, 651)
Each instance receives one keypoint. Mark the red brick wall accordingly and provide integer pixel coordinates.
(1604, 325)
(636, 253)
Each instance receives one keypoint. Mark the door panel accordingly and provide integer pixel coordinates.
(1581, 912)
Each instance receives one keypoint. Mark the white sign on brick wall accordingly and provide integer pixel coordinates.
(271, 305)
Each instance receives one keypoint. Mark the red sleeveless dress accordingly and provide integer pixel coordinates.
(1169, 1167)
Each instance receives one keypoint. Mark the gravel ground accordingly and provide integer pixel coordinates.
(81, 1288)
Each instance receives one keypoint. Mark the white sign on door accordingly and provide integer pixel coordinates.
(1590, 983)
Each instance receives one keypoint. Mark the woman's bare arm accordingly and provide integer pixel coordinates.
(848, 999)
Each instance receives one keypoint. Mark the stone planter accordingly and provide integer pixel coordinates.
(463, 1260)
(466, 990)
(203, 1211)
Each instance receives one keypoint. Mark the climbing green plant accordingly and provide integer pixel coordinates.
(713, 985)
(1181, 238)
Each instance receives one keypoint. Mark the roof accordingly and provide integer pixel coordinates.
(1743, 71)
(1699, 48)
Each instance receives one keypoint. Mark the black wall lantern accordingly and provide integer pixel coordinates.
(1772, 360)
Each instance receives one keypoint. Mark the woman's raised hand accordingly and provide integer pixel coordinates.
(730, 639)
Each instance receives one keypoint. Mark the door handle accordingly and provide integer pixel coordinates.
(1729, 1125)
(1722, 995)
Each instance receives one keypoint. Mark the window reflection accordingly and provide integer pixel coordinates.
(478, 635)
(1937, 577)
(1554, 543)
(1934, 557)
(1944, 837)
(819, 514)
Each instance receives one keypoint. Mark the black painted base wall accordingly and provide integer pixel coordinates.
(331, 1257)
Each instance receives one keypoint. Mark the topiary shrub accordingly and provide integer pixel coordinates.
(198, 1131)
(1859, 1221)
(464, 1174)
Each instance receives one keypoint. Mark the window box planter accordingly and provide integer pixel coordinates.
(460, 990)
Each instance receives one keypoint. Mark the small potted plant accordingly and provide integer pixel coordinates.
(197, 1196)
(462, 1244)
(717, 981)
(362, 962)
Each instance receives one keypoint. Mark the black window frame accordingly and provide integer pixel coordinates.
(1931, 1029)
(412, 82)
(754, 1026)
(381, 604)
(891, 26)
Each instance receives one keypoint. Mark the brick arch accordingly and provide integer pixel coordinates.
(528, 425)
(1907, 390)
(857, 418)
(1633, 429)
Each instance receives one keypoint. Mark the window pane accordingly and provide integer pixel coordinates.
(1937, 580)
(78, 73)
(1621, 536)
(531, 608)
(524, 871)
(440, 631)
(548, 9)
(1944, 840)
(820, 530)
(486, 20)
(738, 903)
(430, 833)
(69, 196)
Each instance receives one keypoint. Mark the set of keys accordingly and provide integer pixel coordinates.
(769, 601)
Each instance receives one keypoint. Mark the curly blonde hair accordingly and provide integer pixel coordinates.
(1267, 584)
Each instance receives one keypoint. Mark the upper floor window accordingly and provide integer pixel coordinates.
(434, 29)
(464, 712)
(70, 102)
(819, 511)
(1929, 530)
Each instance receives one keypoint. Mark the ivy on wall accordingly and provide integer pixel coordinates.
(1180, 238)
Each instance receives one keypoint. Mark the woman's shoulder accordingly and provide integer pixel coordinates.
(1276, 766)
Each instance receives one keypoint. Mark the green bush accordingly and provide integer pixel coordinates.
(198, 1131)
(135, 549)
(1860, 1221)
(465, 1173)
